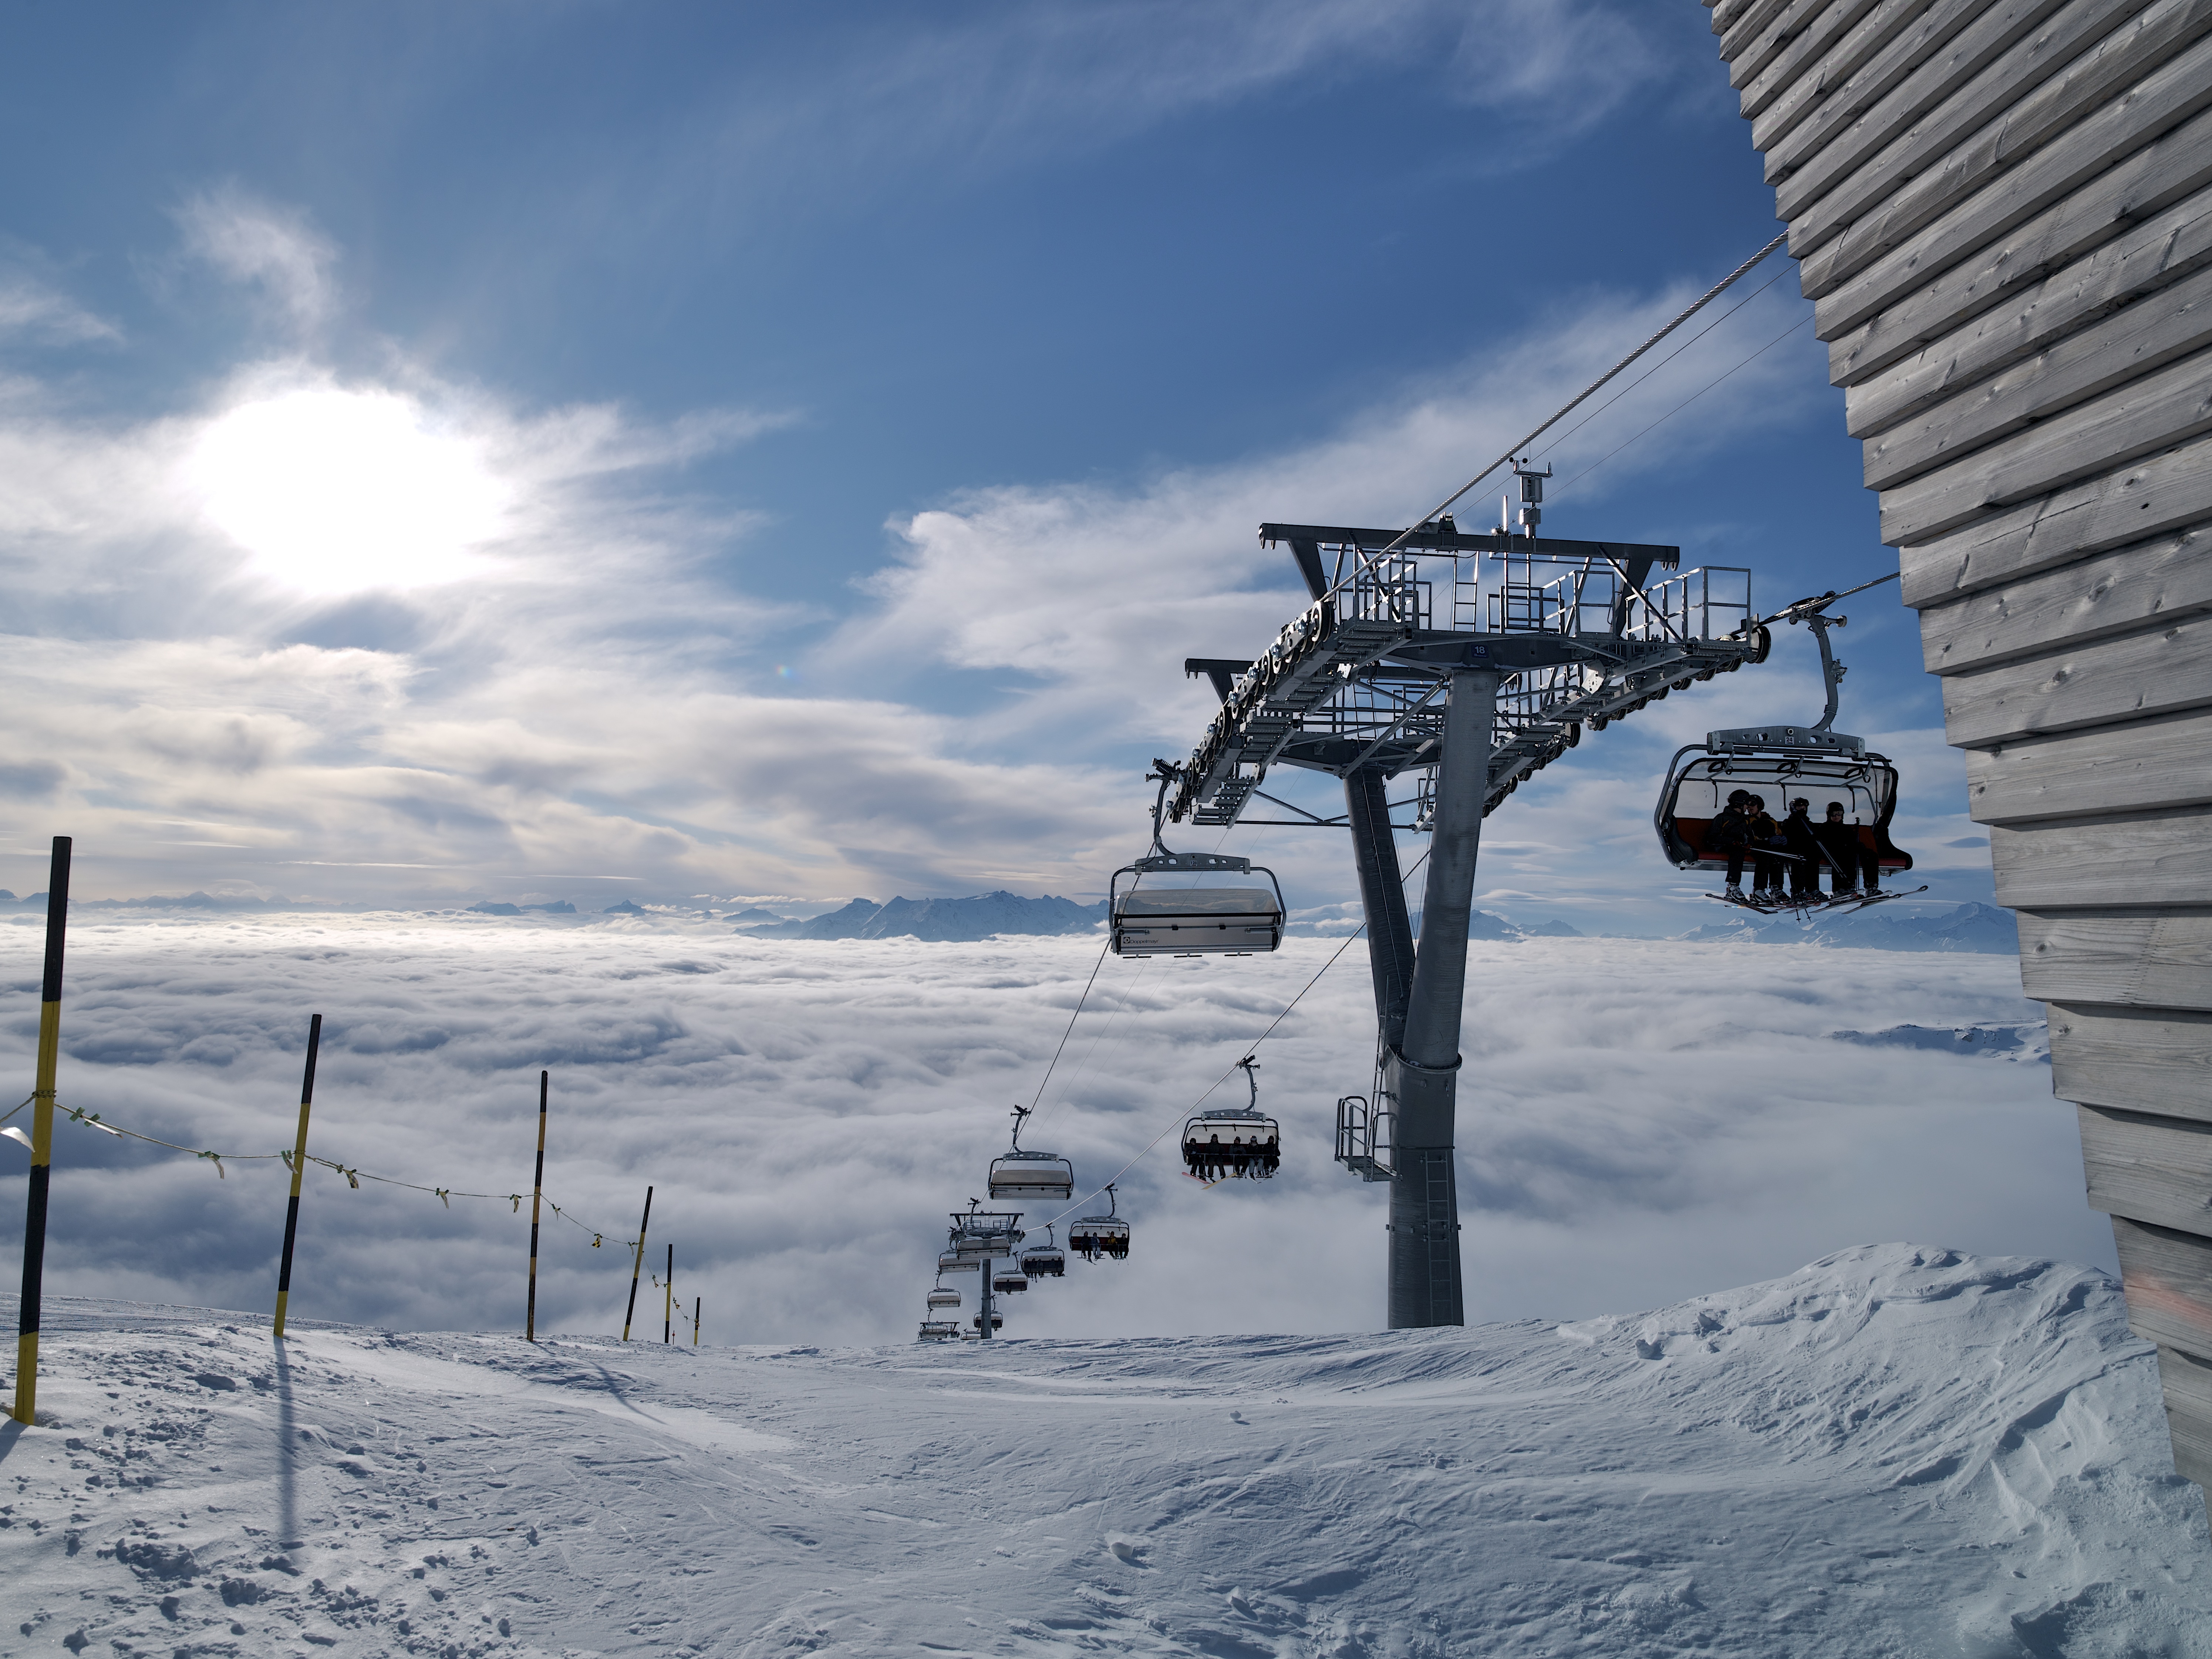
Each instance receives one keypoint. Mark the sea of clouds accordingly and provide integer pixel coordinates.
(1640, 1120)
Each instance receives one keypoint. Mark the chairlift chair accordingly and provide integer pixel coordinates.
(1009, 1284)
(1021, 1174)
(944, 1296)
(978, 1235)
(1239, 1141)
(951, 1262)
(1045, 1261)
(1780, 763)
(1188, 922)
(1095, 1236)
(939, 1330)
(998, 1323)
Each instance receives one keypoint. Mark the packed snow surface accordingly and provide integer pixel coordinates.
(1894, 1451)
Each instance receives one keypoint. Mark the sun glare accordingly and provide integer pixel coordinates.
(333, 491)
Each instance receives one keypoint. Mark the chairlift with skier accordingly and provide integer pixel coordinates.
(1045, 1261)
(1240, 1141)
(1095, 1236)
(1848, 791)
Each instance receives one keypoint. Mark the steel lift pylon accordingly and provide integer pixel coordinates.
(1473, 659)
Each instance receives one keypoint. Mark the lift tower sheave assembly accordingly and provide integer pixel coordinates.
(1473, 659)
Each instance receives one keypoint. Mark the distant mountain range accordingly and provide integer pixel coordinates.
(940, 920)
(1974, 928)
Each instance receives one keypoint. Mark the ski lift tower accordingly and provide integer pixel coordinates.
(1473, 660)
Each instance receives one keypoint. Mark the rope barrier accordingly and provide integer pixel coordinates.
(353, 1175)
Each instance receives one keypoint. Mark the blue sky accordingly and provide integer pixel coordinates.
(785, 453)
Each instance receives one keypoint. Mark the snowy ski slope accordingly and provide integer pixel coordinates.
(1893, 1451)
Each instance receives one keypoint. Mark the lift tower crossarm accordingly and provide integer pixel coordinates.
(1570, 627)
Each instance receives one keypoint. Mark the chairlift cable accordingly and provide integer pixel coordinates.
(1071, 1018)
(1119, 1009)
(1684, 405)
(1367, 561)
(1250, 1049)
(1553, 446)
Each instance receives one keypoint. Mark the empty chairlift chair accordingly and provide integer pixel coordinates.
(944, 1296)
(1009, 1283)
(1045, 1261)
(1239, 1142)
(979, 1235)
(1187, 921)
(938, 1330)
(1095, 1236)
(1038, 1175)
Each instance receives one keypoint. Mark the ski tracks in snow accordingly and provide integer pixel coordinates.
(1893, 1451)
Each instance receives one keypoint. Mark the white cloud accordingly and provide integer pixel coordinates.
(395, 634)
(957, 97)
(30, 308)
(1638, 1121)
(275, 249)
(1100, 593)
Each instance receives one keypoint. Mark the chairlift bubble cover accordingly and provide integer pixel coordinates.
(1698, 787)
(1191, 920)
(1032, 1174)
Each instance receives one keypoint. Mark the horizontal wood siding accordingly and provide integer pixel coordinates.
(2160, 860)
(2154, 583)
(2127, 960)
(2002, 212)
(2156, 1059)
(2187, 1382)
(2165, 670)
(2148, 1168)
(2169, 1276)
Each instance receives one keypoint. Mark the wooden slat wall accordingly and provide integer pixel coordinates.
(2002, 212)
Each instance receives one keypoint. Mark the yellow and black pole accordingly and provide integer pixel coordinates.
(537, 1190)
(637, 1266)
(42, 1139)
(668, 1300)
(298, 1169)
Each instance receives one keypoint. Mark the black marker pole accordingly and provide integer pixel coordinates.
(42, 1139)
(537, 1190)
(298, 1169)
(637, 1265)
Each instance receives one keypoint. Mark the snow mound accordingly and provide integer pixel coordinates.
(2030, 1040)
(1894, 1450)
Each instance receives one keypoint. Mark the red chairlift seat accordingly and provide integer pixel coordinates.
(1780, 764)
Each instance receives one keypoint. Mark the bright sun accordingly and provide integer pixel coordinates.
(333, 491)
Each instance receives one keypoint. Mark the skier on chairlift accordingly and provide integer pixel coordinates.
(1848, 858)
(1804, 850)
